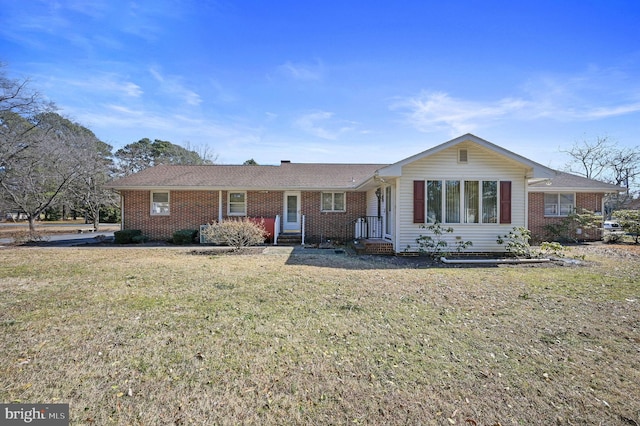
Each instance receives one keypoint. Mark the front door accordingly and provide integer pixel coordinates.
(388, 212)
(291, 215)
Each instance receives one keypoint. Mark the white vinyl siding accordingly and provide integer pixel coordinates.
(483, 166)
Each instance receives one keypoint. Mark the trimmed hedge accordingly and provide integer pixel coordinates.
(128, 236)
(184, 236)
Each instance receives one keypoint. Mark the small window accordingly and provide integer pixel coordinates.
(160, 203)
(237, 204)
(559, 204)
(333, 202)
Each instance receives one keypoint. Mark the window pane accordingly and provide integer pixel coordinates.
(434, 201)
(490, 202)
(471, 201)
(160, 197)
(327, 201)
(338, 199)
(566, 204)
(551, 204)
(452, 194)
(292, 208)
(237, 203)
(236, 197)
(160, 203)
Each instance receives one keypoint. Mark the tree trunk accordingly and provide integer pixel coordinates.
(32, 224)
(96, 222)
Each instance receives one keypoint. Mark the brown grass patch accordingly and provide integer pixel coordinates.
(160, 336)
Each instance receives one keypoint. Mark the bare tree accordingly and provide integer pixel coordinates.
(20, 110)
(590, 158)
(625, 167)
(42, 174)
(87, 194)
(603, 160)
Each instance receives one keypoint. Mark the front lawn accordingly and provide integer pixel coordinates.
(175, 336)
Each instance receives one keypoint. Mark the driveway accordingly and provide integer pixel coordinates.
(60, 234)
(68, 240)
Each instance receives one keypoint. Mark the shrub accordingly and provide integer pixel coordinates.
(517, 242)
(236, 233)
(553, 249)
(126, 236)
(139, 239)
(629, 220)
(567, 229)
(24, 237)
(184, 236)
(109, 214)
(612, 237)
(435, 245)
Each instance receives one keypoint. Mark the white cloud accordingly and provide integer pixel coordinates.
(434, 111)
(302, 72)
(322, 125)
(589, 96)
(107, 84)
(173, 86)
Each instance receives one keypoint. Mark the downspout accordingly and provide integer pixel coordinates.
(526, 203)
(492, 261)
(220, 205)
(121, 212)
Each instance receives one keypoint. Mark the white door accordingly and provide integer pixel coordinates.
(291, 214)
(388, 212)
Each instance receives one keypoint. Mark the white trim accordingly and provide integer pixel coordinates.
(333, 201)
(292, 226)
(536, 169)
(558, 205)
(229, 212)
(151, 202)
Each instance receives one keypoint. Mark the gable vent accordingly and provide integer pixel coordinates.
(463, 156)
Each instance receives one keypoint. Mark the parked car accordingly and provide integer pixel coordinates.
(612, 226)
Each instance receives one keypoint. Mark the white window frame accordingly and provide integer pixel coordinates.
(463, 213)
(230, 203)
(333, 202)
(160, 208)
(558, 209)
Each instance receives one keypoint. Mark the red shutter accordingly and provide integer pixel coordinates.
(505, 201)
(418, 201)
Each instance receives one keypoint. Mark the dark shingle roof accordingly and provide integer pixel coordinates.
(284, 176)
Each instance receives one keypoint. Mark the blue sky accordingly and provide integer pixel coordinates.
(334, 81)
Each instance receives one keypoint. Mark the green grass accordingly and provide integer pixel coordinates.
(163, 336)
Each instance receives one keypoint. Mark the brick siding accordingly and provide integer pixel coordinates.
(190, 209)
(537, 220)
(335, 226)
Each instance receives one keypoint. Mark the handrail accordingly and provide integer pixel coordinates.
(368, 227)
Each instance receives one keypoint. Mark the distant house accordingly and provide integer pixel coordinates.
(478, 188)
